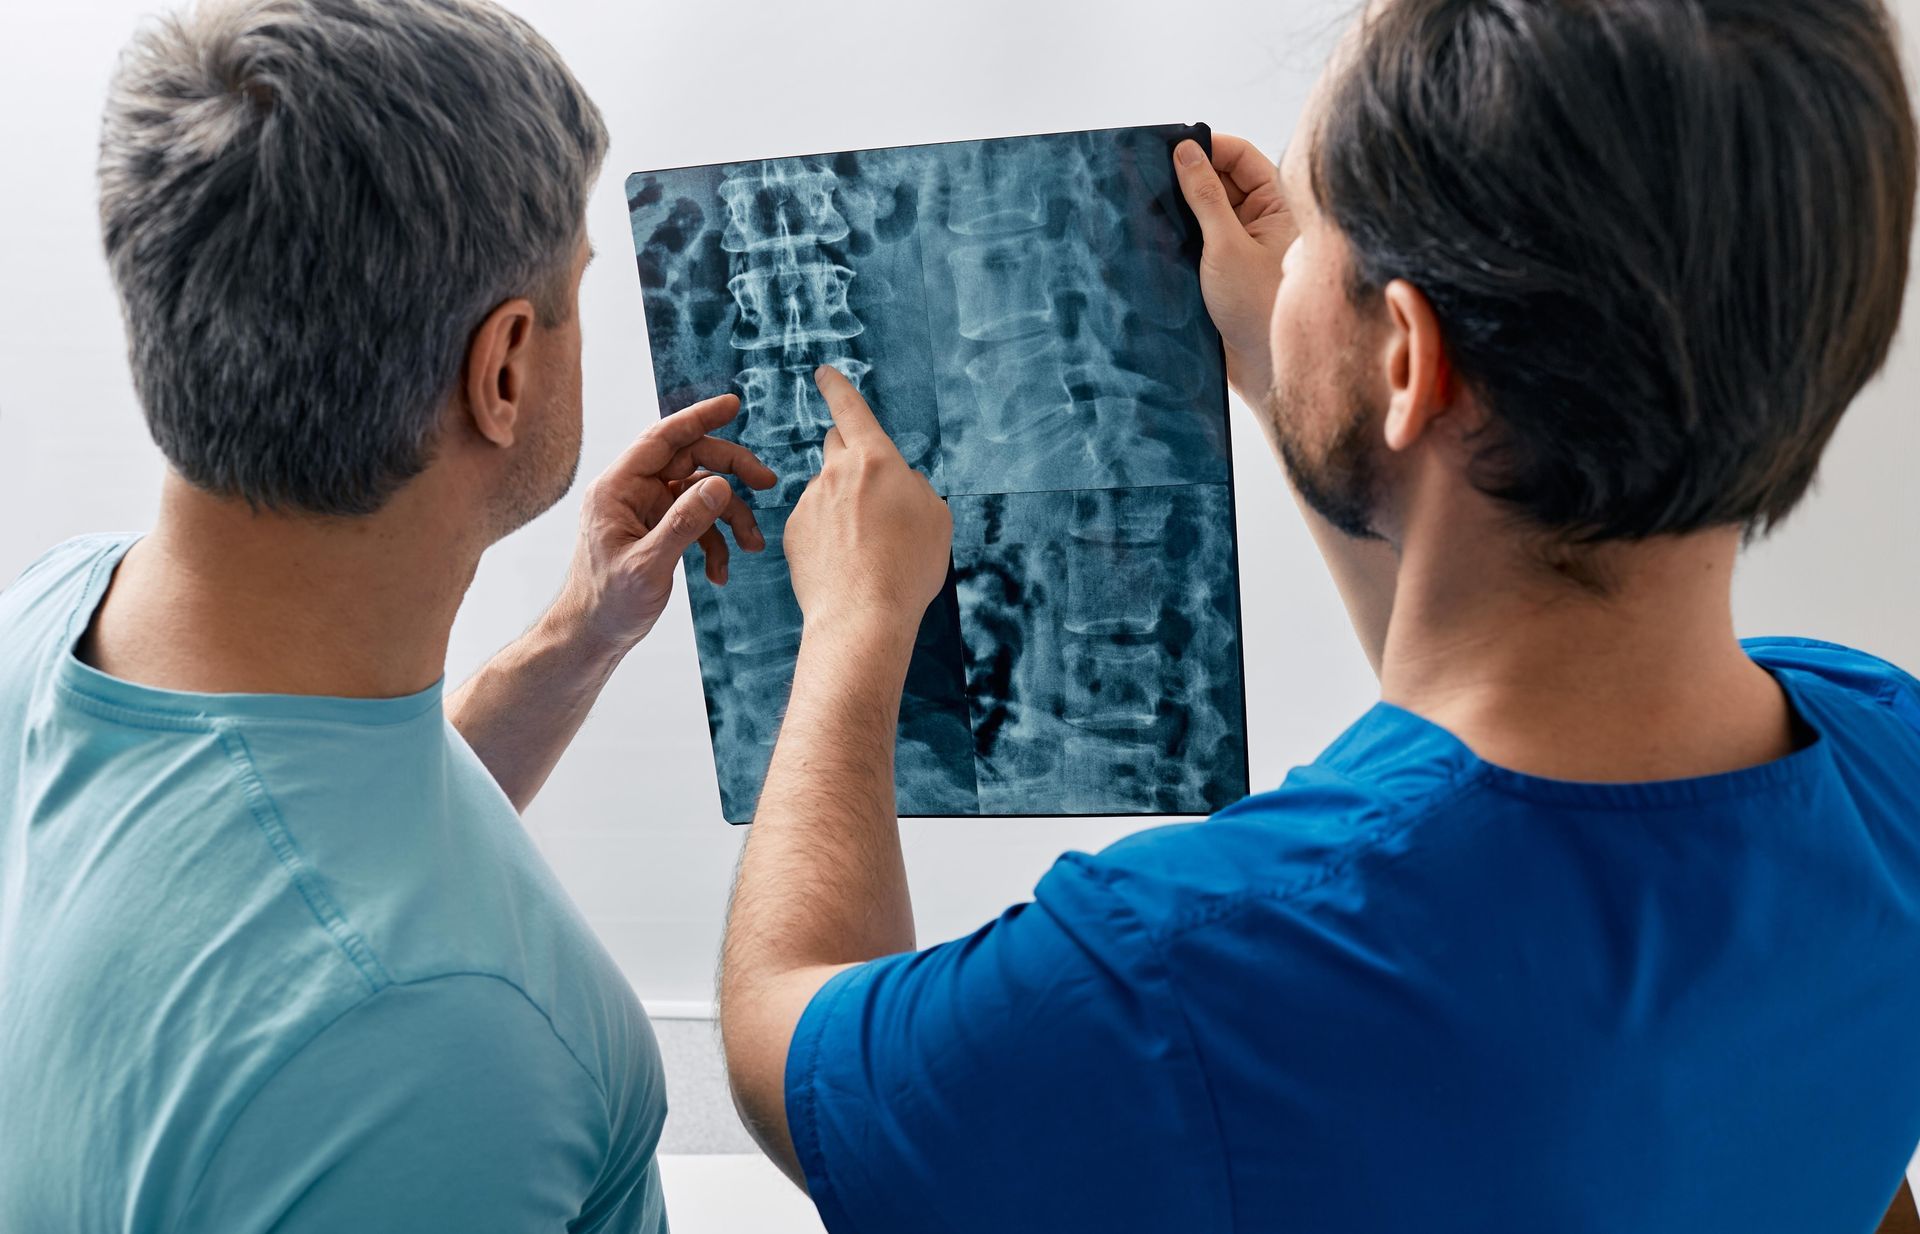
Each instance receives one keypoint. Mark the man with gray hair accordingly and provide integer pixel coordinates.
(274, 950)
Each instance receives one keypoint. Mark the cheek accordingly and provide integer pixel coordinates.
(1283, 331)
(1300, 334)
(1314, 322)
(1312, 336)
(570, 361)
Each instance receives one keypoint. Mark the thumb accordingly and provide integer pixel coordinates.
(686, 520)
(1205, 195)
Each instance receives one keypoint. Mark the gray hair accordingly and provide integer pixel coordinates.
(308, 207)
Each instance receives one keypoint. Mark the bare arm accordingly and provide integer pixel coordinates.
(1247, 228)
(1902, 1217)
(664, 494)
(522, 709)
(821, 885)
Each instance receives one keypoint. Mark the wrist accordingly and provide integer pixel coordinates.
(876, 633)
(852, 666)
(566, 630)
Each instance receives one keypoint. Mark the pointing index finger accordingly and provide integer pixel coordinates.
(851, 415)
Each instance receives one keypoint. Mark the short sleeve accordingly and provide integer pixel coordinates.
(1036, 1075)
(446, 1104)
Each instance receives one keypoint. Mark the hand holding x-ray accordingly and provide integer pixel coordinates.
(869, 540)
(1247, 229)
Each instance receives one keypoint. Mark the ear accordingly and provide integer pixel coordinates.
(499, 363)
(1419, 378)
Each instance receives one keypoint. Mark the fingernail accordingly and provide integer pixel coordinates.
(715, 496)
(1188, 152)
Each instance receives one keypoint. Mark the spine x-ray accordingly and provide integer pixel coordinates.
(1024, 316)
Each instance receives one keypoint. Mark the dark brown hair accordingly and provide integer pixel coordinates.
(1667, 240)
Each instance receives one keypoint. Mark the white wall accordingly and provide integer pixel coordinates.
(631, 818)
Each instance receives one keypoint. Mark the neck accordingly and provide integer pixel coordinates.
(1631, 672)
(223, 599)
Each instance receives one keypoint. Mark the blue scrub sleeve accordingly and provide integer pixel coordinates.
(1037, 1075)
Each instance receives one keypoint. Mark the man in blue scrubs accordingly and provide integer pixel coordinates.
(275, 952)
(1600, 919)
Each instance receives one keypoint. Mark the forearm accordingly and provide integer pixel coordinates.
(821, 884)
(523, 707)
(822, 881)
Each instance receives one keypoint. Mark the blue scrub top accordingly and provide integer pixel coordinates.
(1412, 990)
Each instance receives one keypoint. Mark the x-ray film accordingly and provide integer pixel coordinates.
(1024, 316)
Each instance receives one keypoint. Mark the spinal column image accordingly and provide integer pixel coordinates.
(1024, 316)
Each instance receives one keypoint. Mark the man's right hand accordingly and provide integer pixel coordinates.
(1246, 229)
(869, 540)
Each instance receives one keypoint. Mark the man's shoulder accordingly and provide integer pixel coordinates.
(1330, 825)
(1849, 669)
(46, 591)
(427, 871)
(67, 561)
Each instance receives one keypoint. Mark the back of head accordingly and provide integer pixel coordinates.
(308, 206)
(1667, 240)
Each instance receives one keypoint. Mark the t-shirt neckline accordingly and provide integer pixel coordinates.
(90, 684)
(1413, 736)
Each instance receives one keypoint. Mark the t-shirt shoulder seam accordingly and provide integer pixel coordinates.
(266, 816)
(358, 1004)
(1405, 814)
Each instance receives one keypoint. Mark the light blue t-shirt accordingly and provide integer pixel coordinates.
(288, 963)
